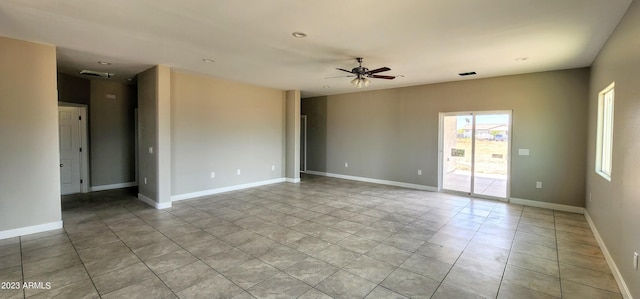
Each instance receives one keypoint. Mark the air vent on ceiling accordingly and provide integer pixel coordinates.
(467, 74)
(96, 74)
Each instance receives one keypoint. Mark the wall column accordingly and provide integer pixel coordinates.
(154, 136)
(292, 117)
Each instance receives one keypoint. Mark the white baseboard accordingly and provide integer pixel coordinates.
(375, 181)
(209, 192)
(153, 203)
(27, 230)
(607, 256)
(290, 180)
(113, 186)
(547, 205)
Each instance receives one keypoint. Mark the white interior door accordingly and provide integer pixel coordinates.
(474, 153)
(70, 155)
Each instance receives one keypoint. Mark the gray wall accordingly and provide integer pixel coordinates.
(29, 171)
(73, 89)
(221, 126)
(615, 206)
(147, 133)
(390, 134)
(112, 132)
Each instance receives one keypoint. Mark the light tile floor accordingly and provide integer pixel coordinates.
(322, 238)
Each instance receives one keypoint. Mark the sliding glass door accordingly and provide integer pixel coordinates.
(474, 153)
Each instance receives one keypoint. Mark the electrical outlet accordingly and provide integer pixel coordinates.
(419, 171)
(151, 150)
(213, 175)
(539, 185)
(145, 181)
(346, 164)
(238, 172)
(635, 261)
(273, 167)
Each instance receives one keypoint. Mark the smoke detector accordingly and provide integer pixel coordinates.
(96, 74)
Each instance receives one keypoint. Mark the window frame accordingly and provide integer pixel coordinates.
(604, 142)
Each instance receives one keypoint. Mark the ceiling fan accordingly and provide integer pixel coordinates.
(362, 74)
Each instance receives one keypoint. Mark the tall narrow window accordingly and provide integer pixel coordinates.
(605, 132)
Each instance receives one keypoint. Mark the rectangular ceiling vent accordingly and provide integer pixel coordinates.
(467, 74)
(96, 74)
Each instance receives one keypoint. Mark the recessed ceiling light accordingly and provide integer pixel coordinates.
(326, 86)
(207, 60)
(299, 34)
(104, 63)
(522, 59)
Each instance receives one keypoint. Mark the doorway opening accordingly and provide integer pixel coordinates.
(474, 153)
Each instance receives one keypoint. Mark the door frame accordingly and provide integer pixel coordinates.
(303, 141)
(471, 193)
(84, 144)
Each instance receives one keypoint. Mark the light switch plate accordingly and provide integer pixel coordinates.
(523, 151)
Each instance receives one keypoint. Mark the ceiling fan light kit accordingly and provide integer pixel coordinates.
(359, 82)
(362, 74)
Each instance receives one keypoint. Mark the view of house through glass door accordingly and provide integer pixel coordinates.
(474, 153)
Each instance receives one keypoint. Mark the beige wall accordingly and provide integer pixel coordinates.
(292, 135)
(29, 175)
(615, 206)
(163, 123)
(390, 134)
(112, 127)
(221, 126)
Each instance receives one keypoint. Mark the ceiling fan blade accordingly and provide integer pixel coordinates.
(340, 77)
(343, 70)
(379, 70)
(382, 77)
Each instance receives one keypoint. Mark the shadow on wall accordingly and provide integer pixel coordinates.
(316, 111)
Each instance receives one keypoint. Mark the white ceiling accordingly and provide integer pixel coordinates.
(426, 41)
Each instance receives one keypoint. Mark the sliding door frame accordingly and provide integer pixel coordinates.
(473, 114)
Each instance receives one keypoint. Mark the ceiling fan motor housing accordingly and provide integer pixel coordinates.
(359, 70)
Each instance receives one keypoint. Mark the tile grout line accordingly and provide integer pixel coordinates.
(510, 251)
(24, 292)
(232, 246)
(82, 262)
(328, 226)
(465, 246)
(174, 242)
(555, 234)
